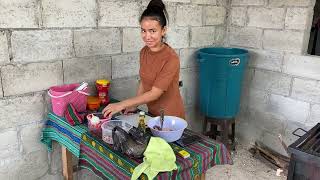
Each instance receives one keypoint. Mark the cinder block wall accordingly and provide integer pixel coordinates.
(45, 43)
(281, 91)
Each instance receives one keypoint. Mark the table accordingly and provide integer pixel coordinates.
(103, 161)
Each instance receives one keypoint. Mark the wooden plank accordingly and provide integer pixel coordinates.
(67, 167)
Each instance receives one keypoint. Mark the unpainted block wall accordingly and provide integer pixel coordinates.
(281, 91)
(45, 43)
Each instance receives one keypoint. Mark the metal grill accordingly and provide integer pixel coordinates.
(305, 155)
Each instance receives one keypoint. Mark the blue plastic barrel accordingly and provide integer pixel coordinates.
(221, 74)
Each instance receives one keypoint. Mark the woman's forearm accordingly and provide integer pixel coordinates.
(143, 98)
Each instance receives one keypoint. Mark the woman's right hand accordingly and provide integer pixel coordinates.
(130, 110)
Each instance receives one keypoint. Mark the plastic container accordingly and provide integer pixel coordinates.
(221, 74)
(93, 103)
(108, 126)
(176, 126)
(94, 124)
(103, 90)
(62, 95)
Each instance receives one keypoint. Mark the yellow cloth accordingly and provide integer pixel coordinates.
(158, 157)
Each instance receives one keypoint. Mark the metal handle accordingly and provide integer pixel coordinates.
(161, 118)
(294, 132)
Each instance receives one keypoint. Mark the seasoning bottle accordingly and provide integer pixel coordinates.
(142, 125)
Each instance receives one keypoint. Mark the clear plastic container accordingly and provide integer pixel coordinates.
(95, 126)
(108, 126)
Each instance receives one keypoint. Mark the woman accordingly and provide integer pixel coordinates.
(159, 69)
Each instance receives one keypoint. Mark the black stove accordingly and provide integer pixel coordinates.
(305, 155)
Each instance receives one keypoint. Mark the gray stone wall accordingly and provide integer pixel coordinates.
(45, 43)
(281, 89)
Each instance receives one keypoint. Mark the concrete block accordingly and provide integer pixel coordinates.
(1, 92)
(210, 2)
(29, 136)
(132, 41)
(97, 42)
(125, 65)
(33, 166)
(19, 79)
(246, 131)
(269, 60)
(238, 16)
(19, 14)
(247, 77)
(314, 116)
(214, 15)
(26, 109)
(4, 52)
(86, 69)
(282, 3)
(178, 37)
(172, 12)
(289, 109)
(31, 46)
(304, 66)
(194, 119)
(124, 88)
(257, 17)
(257, 99)
(220, 35)
(189, 15)
(188, 58)
(306, 90)
(9, 145)
(202, 36)
(55, 160)
(298, 18)
(268, 122)
(75, 13)
(118, 13)
(247, 2)
(283, 40)
(190, 80)
(245, 37)
(274, 82)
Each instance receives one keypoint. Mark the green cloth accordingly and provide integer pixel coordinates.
(158, 157)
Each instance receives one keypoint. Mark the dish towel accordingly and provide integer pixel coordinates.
(158, 157)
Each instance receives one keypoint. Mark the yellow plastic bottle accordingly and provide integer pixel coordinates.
(142, 125)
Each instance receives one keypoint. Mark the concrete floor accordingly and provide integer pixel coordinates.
(245, 167)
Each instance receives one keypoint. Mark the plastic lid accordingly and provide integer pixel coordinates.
(103, 81)
(142, 113)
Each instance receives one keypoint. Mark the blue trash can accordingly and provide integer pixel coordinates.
(221, 74)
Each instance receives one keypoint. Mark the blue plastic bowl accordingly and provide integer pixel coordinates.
(175, 124)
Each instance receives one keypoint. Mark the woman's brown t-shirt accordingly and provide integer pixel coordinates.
(161, 69)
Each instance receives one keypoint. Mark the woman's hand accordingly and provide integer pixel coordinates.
(130, 110)
(112, 109)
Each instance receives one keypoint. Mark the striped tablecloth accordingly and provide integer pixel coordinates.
(99, 157)
(58, 129)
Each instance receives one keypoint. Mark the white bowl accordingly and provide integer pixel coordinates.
(175, 124)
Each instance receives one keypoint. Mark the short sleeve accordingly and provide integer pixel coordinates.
(167, 74)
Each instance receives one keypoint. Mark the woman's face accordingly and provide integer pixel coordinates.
(152, 33)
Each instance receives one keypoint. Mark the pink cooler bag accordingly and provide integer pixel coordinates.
(62, 95)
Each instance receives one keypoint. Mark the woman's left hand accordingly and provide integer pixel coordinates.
(112, 109)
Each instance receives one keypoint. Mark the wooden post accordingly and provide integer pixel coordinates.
(67, 164)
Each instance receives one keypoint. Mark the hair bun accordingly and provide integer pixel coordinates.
(156, 4)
